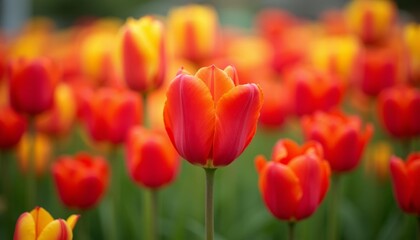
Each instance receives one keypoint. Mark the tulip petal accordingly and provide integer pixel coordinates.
(189, 117)
(216, 80)
(56, 230)
(260, 163)
(41, 218)
(72, 220)
(281, 190)
(237, 116)
(413, 165)
(308, 170)
(25, 227)
(395, 125)
(402, 190)
(326, 173)
(344, 156)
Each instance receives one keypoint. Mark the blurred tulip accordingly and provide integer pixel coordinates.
(411, 38)
(399, 111)
(155, 104)
(193, 31)
(32, 85)
(295, 182)
(342, 137)
(59, 119)
(42, 153)
(371, 20)
(123, 111)
(273, 23)
(12, 127)
(405, 179)
(40, 225)
(377, 164)
(142, 53)
(334, 23)
(209, 118)
(312, 90)
(151, 159)
(81, 180)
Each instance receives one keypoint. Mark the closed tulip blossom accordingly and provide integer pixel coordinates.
(398, 110)
(110, 113)
(40, 225)
(81, 180)
(405, 182)
(294, 183)
(151, 159)
(142, 53)
(209, 118)
(342, 137)
(32, 84)
(12, 127)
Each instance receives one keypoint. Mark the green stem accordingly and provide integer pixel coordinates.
(406, 145)
(31, 177)
(418, 228)
(291, 230)
(334, 206)
(209, 203)
(154, 214)
(146, 117)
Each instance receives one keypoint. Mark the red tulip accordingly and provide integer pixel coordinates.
(342, 137)
(81, 180)
(295, 182)
(405, 179)
(399, 111)
(209, 118)
(12, 127)
(151, 159)
(110, 113)
(32, 84)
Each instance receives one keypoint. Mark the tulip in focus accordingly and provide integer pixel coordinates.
(142, 53)
(59, 119)
(342, 137)
(110, 113)
(32, 84)
(42, 153)
(371, 20)
(209, 118)
(399, 111)
(40, 225)
(81, 180)
(151, 159)
(12, 127)
(405, 182)
(194, 31)
(295, 182)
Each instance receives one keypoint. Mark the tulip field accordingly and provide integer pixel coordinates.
(182, 127)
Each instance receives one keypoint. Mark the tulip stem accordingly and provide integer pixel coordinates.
(154, 214)
(335, 199)
(418, 228)
(291, 231)
(209, 203)
(31, 178)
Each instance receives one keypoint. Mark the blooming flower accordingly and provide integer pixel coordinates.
(209, 118)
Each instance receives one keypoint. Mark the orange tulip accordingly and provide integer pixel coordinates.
(209, 118)
(81, 180)
(40, 225)
(123, 111)
(405, 179)
(151, 159)
(12, 127)
(295, 182)
(32, 85)
(342, 137)
(399, 111)
(42, 153)
(142, 53)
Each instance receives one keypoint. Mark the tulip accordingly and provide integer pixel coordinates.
(142, 53)
(32, 85)
(194, 31)
(12, 127)
(81, 180)
(378, 162)
(209, 118)
(295, 182)
(405, 179)
(40, 225)
(59, 119)
(37, 158)
(313, 90)
(372, 20)
(342, 137)
(123, 111)
(411, 37)
(398, 110)
(151, 159)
